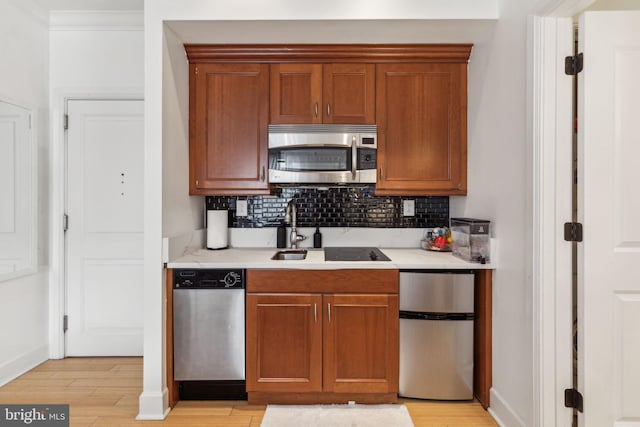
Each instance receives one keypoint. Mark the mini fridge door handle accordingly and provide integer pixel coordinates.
(415, 315)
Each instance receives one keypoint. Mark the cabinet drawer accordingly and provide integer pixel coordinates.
(326, 281)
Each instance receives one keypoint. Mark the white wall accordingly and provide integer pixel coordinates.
(97, 53)
(92, 54)
(499, 158)
(23, 81)
(181, 213)
(500, 190)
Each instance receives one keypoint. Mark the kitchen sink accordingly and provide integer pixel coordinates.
(290, 254)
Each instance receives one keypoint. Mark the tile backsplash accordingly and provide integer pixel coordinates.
(353, 206)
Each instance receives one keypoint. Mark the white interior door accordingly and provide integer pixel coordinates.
(104, 240)
(609, 209)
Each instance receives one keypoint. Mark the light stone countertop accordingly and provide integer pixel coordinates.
(412, 258)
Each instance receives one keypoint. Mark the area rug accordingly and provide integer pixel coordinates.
(336, 416)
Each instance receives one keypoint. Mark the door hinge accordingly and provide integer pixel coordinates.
(573, 399)
(65, 222)
(573, 232)
(573, 64)
(65, 122)
(65, 323)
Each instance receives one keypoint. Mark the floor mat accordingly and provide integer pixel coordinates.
(336, 416)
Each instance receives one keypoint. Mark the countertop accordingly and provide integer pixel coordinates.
(411, 258)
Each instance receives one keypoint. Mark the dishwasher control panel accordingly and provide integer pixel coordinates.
(208, 278)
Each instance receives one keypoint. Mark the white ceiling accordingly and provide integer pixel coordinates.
(615, 5)
(91, 4)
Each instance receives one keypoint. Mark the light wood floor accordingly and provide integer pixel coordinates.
(105, 391)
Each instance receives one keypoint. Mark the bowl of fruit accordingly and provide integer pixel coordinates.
(438, 240)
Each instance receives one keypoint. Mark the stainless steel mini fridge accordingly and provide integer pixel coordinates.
(436, 335)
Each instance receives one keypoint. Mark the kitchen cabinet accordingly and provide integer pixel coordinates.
(415, 93)
(422, 128)
(360, 343)
(319, 336)
(228, 119)
(307, 93)
(287, 299)
(284, 342)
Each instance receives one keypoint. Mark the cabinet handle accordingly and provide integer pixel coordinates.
(328, 109)
(315, 313)
(329, 307)
(262, 174)
(315, 109)
(381, 174)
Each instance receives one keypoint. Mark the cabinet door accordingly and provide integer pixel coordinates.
(229, 113)
(349, 93)
(361, 343)
(284, 342)
(296, 93)
(422, 129)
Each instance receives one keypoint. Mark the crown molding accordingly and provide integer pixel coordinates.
(378, 53)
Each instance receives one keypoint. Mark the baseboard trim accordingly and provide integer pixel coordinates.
(502, 412)
(12, 369)
(153, 405)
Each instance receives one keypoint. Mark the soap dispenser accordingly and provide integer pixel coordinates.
(317, 238)
(281, 236)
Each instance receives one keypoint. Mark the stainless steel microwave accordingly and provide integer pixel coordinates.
(338, 154)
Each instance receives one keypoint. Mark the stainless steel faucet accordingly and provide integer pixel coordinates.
(290, 217)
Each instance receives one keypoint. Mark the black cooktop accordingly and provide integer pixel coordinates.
(354, 254)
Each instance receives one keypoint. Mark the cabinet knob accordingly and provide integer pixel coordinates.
(328, 109)
(315, 109)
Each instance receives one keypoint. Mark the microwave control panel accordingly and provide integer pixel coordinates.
(366, 158)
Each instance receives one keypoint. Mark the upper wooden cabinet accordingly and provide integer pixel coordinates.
(322, 93)
(416, 94)
(422, 129)
(296, 93)
(229, 112)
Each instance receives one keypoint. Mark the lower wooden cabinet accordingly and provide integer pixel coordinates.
(321, 347)
(284, 342)
(360, 343)
(295, 355)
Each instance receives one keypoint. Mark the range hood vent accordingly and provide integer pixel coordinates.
(322, 129)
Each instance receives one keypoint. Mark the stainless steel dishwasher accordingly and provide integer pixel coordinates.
(209, 333)
(436, 334)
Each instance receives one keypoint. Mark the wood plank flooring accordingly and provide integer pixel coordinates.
(105, 391)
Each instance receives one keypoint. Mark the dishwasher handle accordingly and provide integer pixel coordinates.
(414, 315)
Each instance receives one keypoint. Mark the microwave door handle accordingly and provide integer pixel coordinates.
(354, 157)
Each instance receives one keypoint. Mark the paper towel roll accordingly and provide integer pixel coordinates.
(217, 229)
